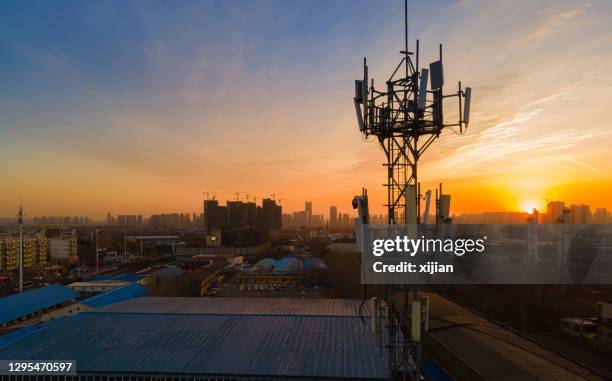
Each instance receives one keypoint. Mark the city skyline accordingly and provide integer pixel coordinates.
(331, 214)
(144, 113)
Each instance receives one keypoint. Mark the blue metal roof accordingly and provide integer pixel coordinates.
(266, 264)
(19, 305)
(116, 295)
(314, 264)
(209, 344)
(18, 334)
(123, 277)
(287, 265)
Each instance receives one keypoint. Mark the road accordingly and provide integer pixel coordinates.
(493, 352)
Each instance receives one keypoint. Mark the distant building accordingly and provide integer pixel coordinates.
(308, 210)
(554, 212)
(62, 220)
(378, 219)
(333, 216)
(237, 214)
(345, 220)
(287, 220)
(130, 220)
(317, 220)
(579, 214)
(270, 215)
(300, 219)
(215, 216)
(170, 220)
(601, 216)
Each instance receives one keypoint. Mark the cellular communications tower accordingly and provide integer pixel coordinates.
(407, 116)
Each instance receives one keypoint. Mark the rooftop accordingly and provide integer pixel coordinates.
(131, 290)
(99, 283)
(117, 277)
(236, 345)
(17, 306)
(276, 306)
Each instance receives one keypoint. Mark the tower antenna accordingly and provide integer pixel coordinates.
(20, 223)
(405, 123)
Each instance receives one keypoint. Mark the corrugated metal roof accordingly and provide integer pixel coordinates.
(285, 306)
(116, 295)
(214, 345)
(123, 277)
(19, 305)
(17, 334)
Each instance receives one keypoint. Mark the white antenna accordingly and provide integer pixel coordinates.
(423, 89)
(437, 75)
(359, 116)
(466, 104)
(427, 202)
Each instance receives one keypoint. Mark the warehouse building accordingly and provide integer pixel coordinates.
(213, 338)
(27, 305)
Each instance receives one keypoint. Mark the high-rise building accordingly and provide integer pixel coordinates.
(308, 210)
(215, 216)
(600, 216)
(333, 216)
(554, 212)
(270, 215)
(579, 214)
(300, 219)
(287, 220)
(317, 220)
(237, 215)
(129, 220)
(345, 219)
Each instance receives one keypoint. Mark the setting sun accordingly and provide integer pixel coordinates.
(529, 206)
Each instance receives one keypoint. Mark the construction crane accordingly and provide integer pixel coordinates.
(210, 195)
(275, 194)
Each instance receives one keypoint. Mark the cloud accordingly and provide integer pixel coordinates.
(580, 163)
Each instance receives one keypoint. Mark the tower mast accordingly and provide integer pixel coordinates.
(406, 117)
(20, 223)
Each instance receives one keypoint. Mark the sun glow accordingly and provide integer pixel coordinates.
(529, 206)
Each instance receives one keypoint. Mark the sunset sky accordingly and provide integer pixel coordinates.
(139, 107)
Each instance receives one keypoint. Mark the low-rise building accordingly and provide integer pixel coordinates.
(34, 250)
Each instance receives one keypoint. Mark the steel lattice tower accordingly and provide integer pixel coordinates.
(406, 117)
(405, 123)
